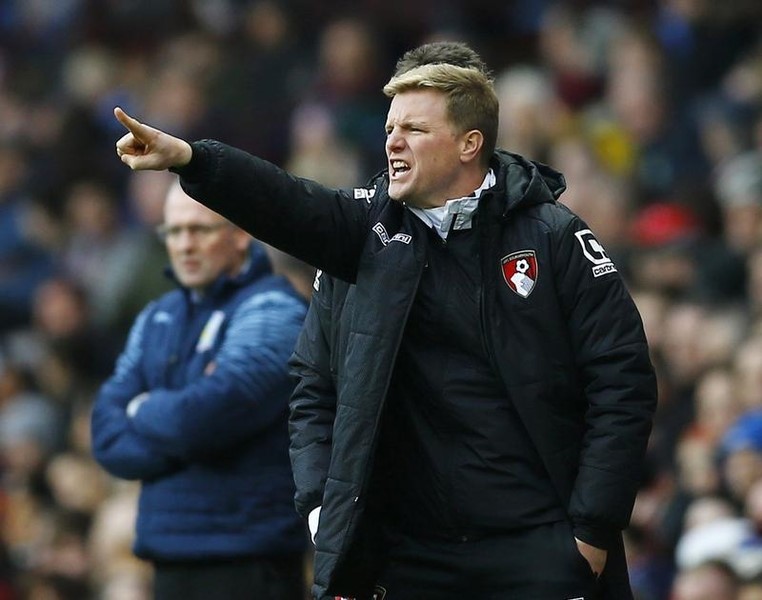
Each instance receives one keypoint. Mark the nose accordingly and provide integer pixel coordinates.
(394, 141)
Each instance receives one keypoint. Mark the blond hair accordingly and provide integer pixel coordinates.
(470, 97)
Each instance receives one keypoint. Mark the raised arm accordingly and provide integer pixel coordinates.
(324, 227)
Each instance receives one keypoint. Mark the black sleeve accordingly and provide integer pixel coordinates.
(323, 227)
(313, 403)
(612, 358)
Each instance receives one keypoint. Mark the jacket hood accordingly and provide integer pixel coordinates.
(524, 182)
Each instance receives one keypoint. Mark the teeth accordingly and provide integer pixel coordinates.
(399, 164)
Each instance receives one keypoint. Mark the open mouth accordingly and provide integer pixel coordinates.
(399, 167)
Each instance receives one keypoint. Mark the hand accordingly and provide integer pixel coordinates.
(596, 557)
(147, 148)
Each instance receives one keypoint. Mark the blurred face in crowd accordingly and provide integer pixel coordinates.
(200, 243)
(423, 150)
(706, 582)
(60, 308)
(717, 405)
(747, 364)
(742, 468)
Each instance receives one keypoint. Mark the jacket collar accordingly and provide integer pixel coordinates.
(457, 213)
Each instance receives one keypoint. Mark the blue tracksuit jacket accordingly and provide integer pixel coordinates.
(210, 443)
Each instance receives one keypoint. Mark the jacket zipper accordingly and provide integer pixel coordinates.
(485, 331)
(382, 404)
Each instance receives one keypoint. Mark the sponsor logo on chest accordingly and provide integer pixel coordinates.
(380, 231)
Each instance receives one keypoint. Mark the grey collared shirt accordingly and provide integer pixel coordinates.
(457, 213)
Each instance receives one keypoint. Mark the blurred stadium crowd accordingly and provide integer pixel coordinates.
(651, 108)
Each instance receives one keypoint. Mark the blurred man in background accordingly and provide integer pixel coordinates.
(197, 410)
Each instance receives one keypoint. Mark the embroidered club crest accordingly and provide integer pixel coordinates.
(520, 271)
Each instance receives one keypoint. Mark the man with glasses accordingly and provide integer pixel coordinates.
(196, 409)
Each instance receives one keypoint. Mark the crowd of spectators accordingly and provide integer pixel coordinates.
(651, 108)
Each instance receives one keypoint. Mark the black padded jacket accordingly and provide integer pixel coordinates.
(567, 343)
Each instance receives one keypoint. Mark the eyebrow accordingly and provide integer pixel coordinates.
(409, 123)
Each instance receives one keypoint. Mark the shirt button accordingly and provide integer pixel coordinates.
(464, 538)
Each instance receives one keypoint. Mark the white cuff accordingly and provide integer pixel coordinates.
(134, 405)
(312, 521)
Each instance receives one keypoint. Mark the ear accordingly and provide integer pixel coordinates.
(242, 240)
(471, 145)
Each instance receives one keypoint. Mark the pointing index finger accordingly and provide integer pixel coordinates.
(133, 125)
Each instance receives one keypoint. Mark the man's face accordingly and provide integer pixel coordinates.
(200, 243)
(423, 150)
